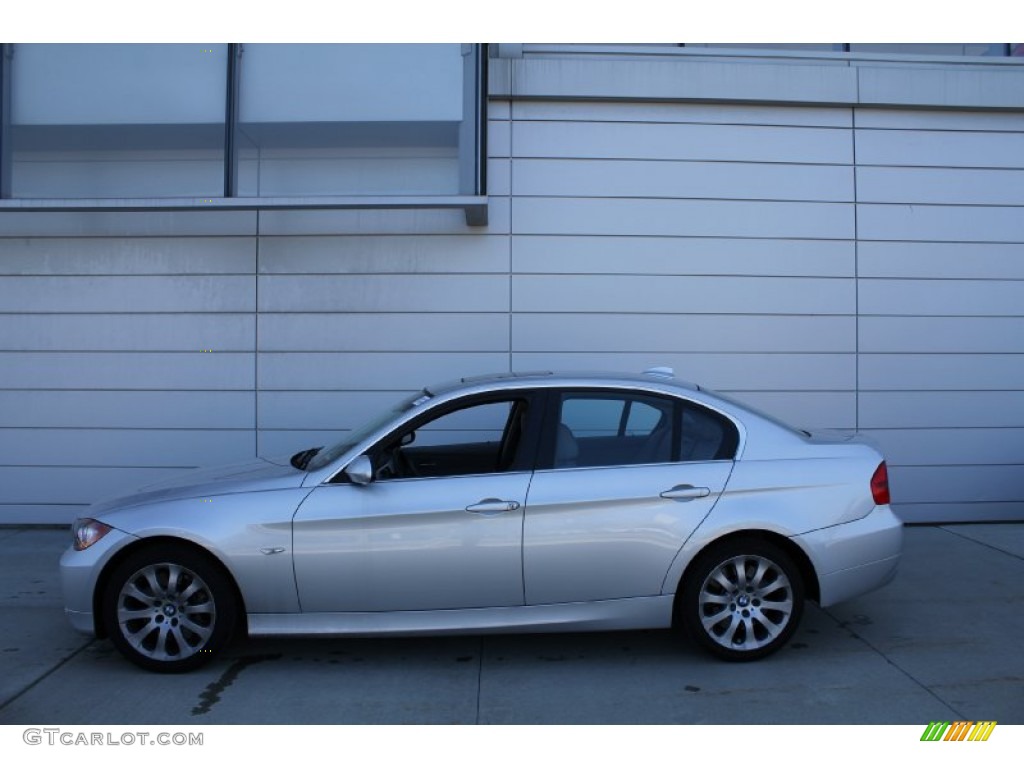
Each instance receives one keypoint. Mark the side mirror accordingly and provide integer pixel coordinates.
(360, 471)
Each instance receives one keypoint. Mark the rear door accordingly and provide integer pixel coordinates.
(625, 478)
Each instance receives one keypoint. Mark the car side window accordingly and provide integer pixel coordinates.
(610, 429)
(475, 439)
(596, 429)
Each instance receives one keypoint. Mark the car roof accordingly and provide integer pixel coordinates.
(526, 379)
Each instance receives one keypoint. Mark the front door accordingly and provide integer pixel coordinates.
(439, 527)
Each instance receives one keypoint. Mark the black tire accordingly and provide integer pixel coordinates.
(169, 608)
(741, 599)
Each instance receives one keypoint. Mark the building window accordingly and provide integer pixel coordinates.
(349, 120)
(93, 121)
(242, 126)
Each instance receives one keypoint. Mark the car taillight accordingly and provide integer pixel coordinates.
(880, 485)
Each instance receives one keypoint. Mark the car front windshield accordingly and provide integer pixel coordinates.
(331, 453)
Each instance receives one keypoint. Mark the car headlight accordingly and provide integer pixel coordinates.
(86, 532)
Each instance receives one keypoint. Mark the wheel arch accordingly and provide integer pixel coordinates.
(155, 542)
(795, 552)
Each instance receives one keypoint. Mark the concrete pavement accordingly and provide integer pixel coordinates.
(939, 643)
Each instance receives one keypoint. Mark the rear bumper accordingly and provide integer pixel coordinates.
(856, 557)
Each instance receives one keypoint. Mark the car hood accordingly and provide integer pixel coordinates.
(257, 475)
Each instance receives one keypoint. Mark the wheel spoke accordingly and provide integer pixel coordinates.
(203, 632)
(710, 598)
(128, 614)
(173, 574)
(719, 578)
(149, 574)
(190, 590)
(132, 591)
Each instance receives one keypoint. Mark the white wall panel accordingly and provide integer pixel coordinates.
(383, 221)
(962, 446)
(656, 141)
(806, 410)
(937, 119)
(1004, 261)
(720, 371)
(958, 484)
(383, 254)
(127, 255)
(150, 332)
(499, 138)
(681, 333)
(103, 293)
(947, 298)
(410, 332)
(499, 177)
(124, 447)
(646, 255)
(383, 293)
(281, 443)
(964, 223)
(966, 335)
(371, 370)
(942, 409)
(20, 514)
(916, 372)
(74, 485)
(948, 186)
(698, 218)
(940, 149)
(694, 295)
(682, 179)
(127, 370)
(959, 512)
(127, 410)
(129, 224)
(326, 410)
(667, 112)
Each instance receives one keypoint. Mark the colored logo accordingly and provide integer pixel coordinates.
(961, 730)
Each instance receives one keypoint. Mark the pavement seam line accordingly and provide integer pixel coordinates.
(981, 543)
(890, 662)
(38, 680)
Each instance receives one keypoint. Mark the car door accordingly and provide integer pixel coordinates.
(439, 527)
(624, 478)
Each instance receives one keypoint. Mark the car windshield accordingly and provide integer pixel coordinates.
(327, 455)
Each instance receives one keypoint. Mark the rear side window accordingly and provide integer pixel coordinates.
(595, 429)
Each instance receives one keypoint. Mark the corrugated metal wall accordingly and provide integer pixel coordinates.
(843, 267)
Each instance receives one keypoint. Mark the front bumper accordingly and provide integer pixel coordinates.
(79, 573)
(856, 557)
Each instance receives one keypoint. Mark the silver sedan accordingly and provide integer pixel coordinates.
(510, 503)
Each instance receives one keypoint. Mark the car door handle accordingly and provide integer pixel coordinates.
(492, 506)
(685, 493)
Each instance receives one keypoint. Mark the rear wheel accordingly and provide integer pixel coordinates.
(742, 599)
(169, 608)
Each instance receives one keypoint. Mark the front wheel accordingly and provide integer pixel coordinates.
(742, 599)
(169, 608)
